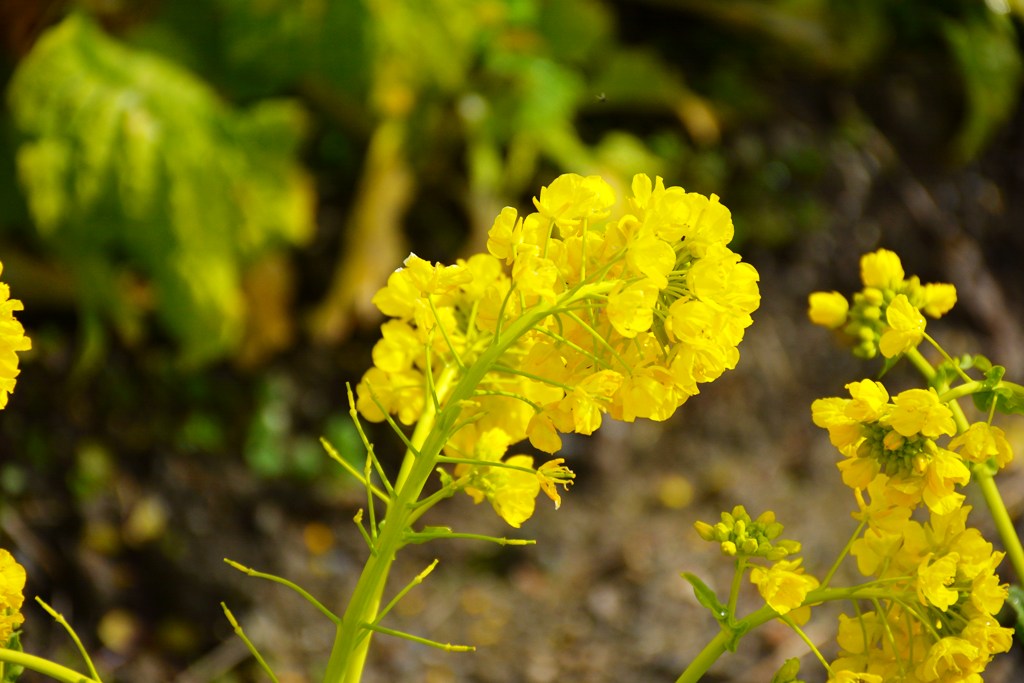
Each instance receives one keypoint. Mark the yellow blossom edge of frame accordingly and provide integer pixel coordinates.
(12, 587)
(12, 340)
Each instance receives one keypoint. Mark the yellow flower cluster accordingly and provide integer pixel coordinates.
(935, 590)
(938, 621)
(738, 534)
(783, 584)
(573, 314)
(897, 439)
(888, 314)
(12, 340)
(12, 586)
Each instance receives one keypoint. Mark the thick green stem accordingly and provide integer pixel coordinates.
(724, 640)
(708, 656)
(44, 666)
(352, 640)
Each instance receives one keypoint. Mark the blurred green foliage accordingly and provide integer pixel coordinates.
(126, 159)
(160, 159)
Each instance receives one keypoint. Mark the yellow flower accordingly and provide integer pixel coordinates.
(627, 318)
(12, 340)
(505, 235)
(513, 493)
(570, 200)
(12, 586)
(906, 327)
(939, 298)
(398, 347)
(934, 580)
(380, 393)
(987, 593)
(952, 659)
(710, 223)
(397, 297)
(856, 639)
(881, 269)
(535, 276)
(919, 411)
(844, 432)
(542, 433)
(982, 442)
(942, 472)
(631, 310)
(828, 309)
(589, 399)
(784, 586)
(869, 401)
(855, 677)
(434, 278)
(722, 281)
(875, 549)
(649, 392)
(553, 474)
(653, 258)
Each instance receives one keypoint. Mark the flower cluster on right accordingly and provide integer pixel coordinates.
(933, 591)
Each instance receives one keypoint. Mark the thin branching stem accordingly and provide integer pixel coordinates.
(249, 571)
(59, 618)
(248, 643)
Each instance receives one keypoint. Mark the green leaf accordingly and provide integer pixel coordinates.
(984, 45)
(706, 597)
(994, 375)
(1009, 399)
(977, 361)
(1008, 396)
(787, 673)
(133, 166)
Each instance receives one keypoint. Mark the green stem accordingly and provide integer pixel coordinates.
(44, 666)
(724, 640)
(727, 638)
(708, 656)
(1004, 525)
(352, 639)
(734, 589)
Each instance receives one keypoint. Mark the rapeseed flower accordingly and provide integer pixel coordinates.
(828, 309)
(575, 314)
(12, 587)
(943, 594)
(905, 330)
(895, 438)
(983, 442)
(784, 585)
(12, 340)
